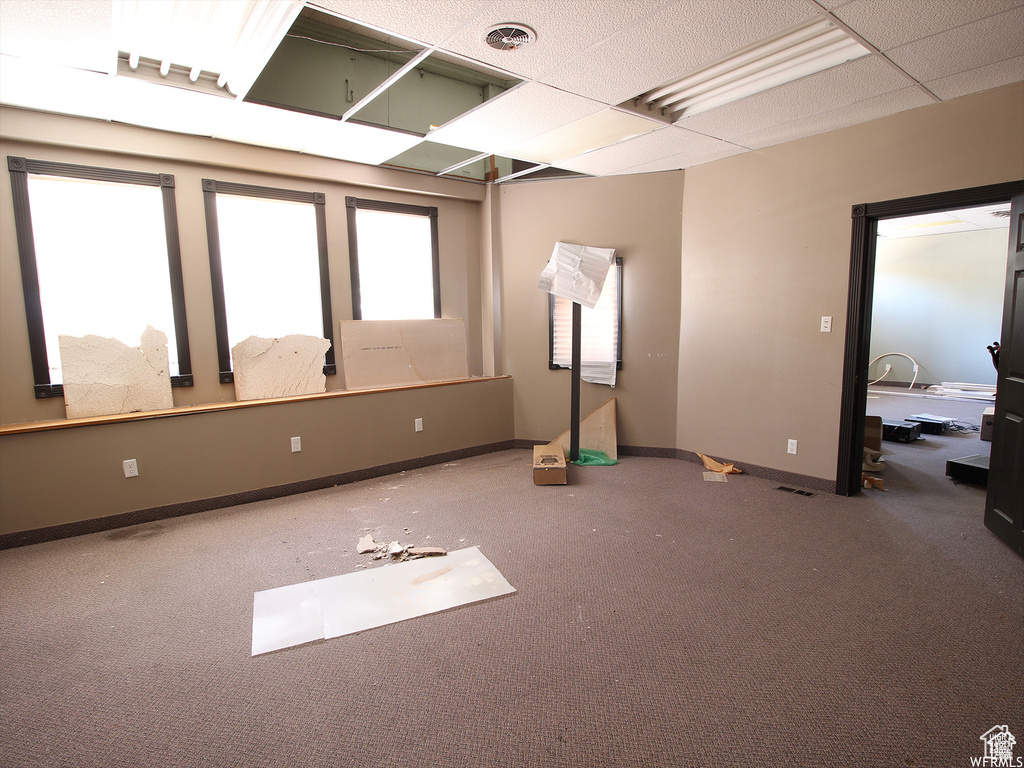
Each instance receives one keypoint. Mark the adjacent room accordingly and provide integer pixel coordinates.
(511, 382)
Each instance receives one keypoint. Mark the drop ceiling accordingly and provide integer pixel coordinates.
(250, 71)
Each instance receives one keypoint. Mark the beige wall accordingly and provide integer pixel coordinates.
(766, 253)
(639, 217)
(191, 159)
(72, 474)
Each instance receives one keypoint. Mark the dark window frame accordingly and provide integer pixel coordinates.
(319, 202)
(618, 341)
(19, 169)
(352, 204)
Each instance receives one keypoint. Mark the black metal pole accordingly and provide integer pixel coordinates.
(577, 346)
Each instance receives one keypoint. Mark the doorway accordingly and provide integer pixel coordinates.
(863, 253)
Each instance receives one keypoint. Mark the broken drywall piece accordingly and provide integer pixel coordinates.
(104, 376)
(426, 551)
(717, 466)
(390, 353)
(269, 368)
(366, 545)
(597, 432)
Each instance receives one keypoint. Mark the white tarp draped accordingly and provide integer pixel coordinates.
(577, 272)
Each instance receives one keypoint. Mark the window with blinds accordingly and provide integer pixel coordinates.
(601, 342)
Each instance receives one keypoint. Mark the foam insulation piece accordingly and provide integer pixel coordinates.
(577, 272)
(597, 432)
(354, 602)
(268, 368)
(388, 353)
(105, 376)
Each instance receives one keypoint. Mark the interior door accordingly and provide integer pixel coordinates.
(1004, 505)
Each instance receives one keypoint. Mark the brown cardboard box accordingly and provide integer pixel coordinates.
(548, 465)
(873, 433)
(988, 419)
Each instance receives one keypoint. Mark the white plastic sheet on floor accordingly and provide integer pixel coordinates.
(353, 602)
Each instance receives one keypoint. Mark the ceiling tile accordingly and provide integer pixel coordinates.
(516, 116)
(841, 117)
(889, 23)
(698, 155)
(427, 22)
(564, 29)
(668, 142)
(958, 50)
(69, 34)
(676, 40)
(980, 79)
(836, 87)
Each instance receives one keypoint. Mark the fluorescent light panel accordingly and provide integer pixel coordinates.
(808, 49)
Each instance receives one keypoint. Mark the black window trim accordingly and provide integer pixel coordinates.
(352, 204)
(618, 341)
(19, 169)
(319, 201)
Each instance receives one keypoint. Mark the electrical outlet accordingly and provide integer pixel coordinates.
(826, 324)
(131, 468)
(791, 448)
(418, 425)
(296, 444)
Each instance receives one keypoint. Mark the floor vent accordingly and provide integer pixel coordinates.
(797, 491)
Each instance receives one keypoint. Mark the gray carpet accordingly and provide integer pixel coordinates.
(660, 620)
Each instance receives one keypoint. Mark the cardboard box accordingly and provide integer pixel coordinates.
(548, 465)
(873, 433)
(988, 419)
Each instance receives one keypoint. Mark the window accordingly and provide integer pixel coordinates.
(601, 337)
(99, 255)
(268, 263)
(395, 266)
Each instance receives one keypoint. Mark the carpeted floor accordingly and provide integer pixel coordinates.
(659, 620)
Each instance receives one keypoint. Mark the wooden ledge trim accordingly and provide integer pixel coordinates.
(185, 410)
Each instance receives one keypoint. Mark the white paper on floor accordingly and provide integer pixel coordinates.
(353, 602)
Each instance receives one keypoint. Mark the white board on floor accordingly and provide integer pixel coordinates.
(354, 602)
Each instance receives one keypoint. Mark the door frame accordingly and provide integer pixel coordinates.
(858, 313)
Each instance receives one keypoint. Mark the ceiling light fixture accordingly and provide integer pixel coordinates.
(810, 48)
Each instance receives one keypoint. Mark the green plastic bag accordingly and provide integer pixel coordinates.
(589, 458)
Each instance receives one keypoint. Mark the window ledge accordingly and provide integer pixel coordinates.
(45, 426)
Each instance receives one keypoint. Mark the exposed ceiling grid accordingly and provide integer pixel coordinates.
(588, 55)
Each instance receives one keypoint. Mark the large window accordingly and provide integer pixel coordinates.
(99, 256)
(601, 337)
(394, 260)
(268, 261)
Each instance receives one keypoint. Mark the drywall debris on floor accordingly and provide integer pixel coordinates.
(269, 368)
(717, 466)
(395, 550)
(715, 477)
(354, 602)
(104, 376)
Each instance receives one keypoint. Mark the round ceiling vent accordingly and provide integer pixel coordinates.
(509, 37)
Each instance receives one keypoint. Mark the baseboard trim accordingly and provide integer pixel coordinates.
(153, 514)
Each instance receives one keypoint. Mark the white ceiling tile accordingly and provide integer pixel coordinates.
(980, 79)
(564, 29)
(514, 117)
(69, 34)
(842, 117)
(668, 142)
(680, 38)
(696, 156)
(958, 50)
(427, 22)
(889, 23)
(836, 87)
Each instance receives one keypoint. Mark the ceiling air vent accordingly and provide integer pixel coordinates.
(509, 37)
